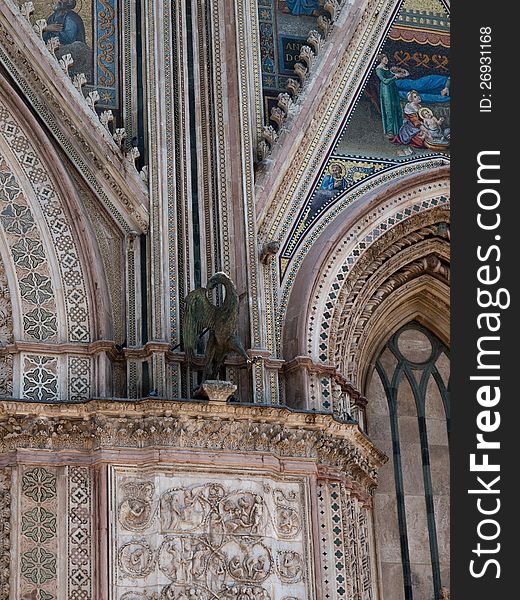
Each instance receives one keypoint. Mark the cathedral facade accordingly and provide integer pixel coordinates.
(175, 172)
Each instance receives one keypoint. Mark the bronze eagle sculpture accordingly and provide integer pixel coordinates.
(200, 315)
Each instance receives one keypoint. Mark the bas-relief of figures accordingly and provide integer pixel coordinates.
(214, 541)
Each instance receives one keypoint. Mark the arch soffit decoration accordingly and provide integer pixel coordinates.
(62, 233)
(384, 267)
(74, 126)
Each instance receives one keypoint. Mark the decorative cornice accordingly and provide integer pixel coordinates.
(210, 426)
(76, 128)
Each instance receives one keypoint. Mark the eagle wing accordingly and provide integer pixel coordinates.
(199, 314)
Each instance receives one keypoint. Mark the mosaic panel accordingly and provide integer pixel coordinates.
(199, 536)
(284, 27)
(88, 31)
(403, 110)
(402, 115)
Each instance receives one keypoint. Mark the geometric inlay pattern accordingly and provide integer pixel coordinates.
(79, 538)
(38, 534)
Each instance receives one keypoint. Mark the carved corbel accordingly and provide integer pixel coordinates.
(269, 250)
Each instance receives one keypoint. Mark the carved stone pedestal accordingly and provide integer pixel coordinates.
(216, 391)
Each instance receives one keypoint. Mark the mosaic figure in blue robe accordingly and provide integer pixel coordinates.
(303, 7)
(67, 25)
(340, 178)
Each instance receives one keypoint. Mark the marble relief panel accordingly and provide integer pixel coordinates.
(179, 535)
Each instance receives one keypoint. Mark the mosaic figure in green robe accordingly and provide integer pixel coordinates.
(391, 113)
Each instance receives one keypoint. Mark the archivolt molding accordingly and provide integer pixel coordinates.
(372, 280)
(51, 222)
(389, 253)
(379, 295)
(336, 250)
(73, 124)
(54, 271)
(341, 318)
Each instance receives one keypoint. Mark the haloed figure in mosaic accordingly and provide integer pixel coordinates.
(335, 179)
(67, 25)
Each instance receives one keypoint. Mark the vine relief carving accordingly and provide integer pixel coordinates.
(218, 537)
